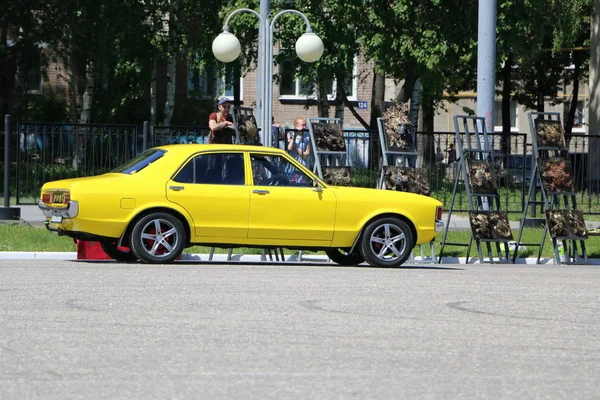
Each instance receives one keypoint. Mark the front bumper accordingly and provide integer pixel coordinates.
(57, 214)
(439, 226)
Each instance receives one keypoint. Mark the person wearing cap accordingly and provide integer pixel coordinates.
(221, 123)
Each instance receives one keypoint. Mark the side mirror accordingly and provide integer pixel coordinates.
(317, 187)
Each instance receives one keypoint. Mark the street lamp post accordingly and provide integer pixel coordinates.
(226, 48)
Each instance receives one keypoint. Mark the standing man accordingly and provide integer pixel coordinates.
(221, 123)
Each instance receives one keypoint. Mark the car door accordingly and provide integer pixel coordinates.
(212, 188)
(284, 204)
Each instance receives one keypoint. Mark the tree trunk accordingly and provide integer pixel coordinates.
(428, 150)
(88, 94)
(171, 71)
(506, 97)
(415, 105)
(574, 97)
(377, 97)
(4, 77)
(153, 100)
(72, 85)
(237, 90)
(170, 97)
(339, 99)
(407, 87)
(323, 102)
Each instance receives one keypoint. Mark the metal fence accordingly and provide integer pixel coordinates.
(43, 152)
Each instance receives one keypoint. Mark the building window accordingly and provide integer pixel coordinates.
(498, 116)
(34, 71)
(198, 84)
(225, 86)
(292, 87)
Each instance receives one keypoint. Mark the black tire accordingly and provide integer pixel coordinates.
(113, 251)
(387, 242)
(341, 257)
(158, 238)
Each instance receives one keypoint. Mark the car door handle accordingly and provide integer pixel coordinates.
(257, 191)
(176, 188)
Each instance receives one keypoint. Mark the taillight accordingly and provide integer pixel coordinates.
(438, 213)
(46, 198)
(67, 198)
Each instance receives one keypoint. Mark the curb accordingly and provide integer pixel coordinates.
(257, 258)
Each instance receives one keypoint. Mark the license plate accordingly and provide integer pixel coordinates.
(58, 198)
(56, 219)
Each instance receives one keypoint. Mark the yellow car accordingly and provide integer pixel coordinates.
(172, 197)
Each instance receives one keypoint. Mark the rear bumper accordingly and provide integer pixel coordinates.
(70, 211)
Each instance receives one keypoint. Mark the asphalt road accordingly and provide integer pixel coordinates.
(100, 330)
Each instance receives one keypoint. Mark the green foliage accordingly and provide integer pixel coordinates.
(192, 111)
(47, 107)
(365, 178)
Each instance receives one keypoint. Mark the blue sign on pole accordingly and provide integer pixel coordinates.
(363, 105)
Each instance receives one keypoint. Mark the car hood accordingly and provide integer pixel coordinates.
(382, 196)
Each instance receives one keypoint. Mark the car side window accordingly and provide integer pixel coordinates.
(213, 169)
(277, 171)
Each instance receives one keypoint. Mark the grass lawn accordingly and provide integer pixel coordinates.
(22, 237)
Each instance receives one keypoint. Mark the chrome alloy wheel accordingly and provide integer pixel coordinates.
(158, 238)
(388, 242)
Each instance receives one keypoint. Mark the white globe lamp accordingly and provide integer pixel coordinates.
(309, 47)
(226, 47)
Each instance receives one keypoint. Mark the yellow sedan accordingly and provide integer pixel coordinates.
(172, 197)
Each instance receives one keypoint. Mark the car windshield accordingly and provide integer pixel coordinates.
(140, 162)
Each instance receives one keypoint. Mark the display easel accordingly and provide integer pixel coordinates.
(558, 196)
(240, 114)
(324, 156)
(407, 157)
(477, 169)
(393, 160)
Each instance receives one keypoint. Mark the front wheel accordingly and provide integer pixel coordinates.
(387, 242)
(342, 257)
(158, 238)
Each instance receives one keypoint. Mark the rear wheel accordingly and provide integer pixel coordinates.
(342, 257)
(387, 242)
(158, 238)
(122, 254)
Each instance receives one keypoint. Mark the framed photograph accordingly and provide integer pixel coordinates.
(557, 175)
(567, 224)
(490, 225)
(549, 133)
(337, 176)
(481, 177)
(405, 179)
(328, 137)
(247, 127)
(399, 133)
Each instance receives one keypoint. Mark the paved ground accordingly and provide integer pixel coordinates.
(79, 330)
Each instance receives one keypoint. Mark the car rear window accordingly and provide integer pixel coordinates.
(140, 162)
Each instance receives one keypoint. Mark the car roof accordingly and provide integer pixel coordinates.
(193, 147)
